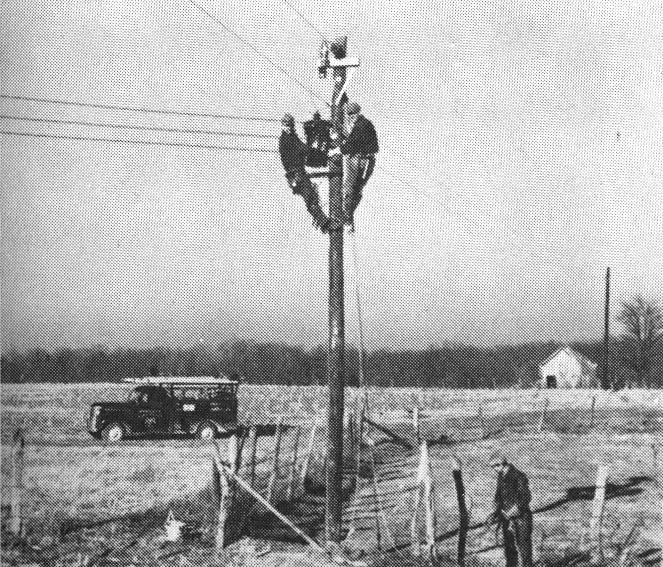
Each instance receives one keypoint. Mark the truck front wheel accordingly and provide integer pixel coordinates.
(206, 431)
(113, 433)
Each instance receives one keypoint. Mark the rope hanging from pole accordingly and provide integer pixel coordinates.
(362, 349)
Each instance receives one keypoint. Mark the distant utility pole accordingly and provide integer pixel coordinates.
(334, 57)
(605, 378)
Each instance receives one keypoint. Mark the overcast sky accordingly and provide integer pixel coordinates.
(521, 154)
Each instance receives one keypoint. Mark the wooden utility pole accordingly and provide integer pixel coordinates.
(337, 61)
(605, 378)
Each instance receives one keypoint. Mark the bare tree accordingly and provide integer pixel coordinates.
(642, 340)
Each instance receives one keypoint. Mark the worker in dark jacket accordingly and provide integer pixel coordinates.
(359, 149)
(512, 511)
(293, 157)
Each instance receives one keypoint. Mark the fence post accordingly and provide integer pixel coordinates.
(293, 463)
(597, 514)
(224, 505)
(462, 510)
(591, 413)
(430, 508)
(275, 461)
(309, 450)
(18, 451)
(424, 496)
(253, 447)
(481, 422)
(543, 414)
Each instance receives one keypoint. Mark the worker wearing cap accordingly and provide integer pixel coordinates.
(293, 157)
(359, 149)
(512, 511)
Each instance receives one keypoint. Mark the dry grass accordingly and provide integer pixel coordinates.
(72, 479)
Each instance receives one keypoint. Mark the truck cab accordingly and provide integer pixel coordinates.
(204, 406)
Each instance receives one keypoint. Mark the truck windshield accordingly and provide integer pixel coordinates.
(138, 397)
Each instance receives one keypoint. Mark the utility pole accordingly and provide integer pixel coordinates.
(605, 378)
(334, 57)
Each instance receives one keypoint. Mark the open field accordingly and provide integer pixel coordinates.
(73, 481)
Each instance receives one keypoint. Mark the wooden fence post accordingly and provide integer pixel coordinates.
(309, 450)
(293, 463)
(430, 509)
(597, 514)
(376, 500)
(424, 496)
(481, 422)
(224, 507)
(462, 510)
(543, 414)
(275, 461)
(591, 413)
(18, 451)
(252, 449)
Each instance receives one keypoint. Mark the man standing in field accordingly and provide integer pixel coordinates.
(512, 511)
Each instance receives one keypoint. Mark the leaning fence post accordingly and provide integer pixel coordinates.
(275, 461)
(253, 446)
(462, 510)
(309, 450)
(293, 463)
(18, 450)
(597, 514)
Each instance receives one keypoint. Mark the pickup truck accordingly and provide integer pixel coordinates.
(204, 406)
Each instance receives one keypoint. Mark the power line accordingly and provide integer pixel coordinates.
(303, 17)
(258, 52)
(133, 127)
(137, 142)
(136, 108)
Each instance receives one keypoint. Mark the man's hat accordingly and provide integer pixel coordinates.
(497, 458)
(352, 108)
(288, 119)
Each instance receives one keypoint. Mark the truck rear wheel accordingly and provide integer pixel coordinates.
(206, 431)
(113, 433)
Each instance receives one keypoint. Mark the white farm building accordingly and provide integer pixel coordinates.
(566, 368)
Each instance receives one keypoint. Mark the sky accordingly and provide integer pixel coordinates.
(521, 154)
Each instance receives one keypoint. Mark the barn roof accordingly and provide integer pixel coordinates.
(586, 363)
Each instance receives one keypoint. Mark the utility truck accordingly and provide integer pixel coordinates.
(203, 406)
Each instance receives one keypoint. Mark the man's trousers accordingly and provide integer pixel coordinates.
(518, 540)
(357, 170)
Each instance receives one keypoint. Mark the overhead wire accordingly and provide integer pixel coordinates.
(305, 19)
(257, 51)
(136, 142)
(137, 108)
(134, 127)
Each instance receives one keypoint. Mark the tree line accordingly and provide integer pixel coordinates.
(446, 366)
(635, 360)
